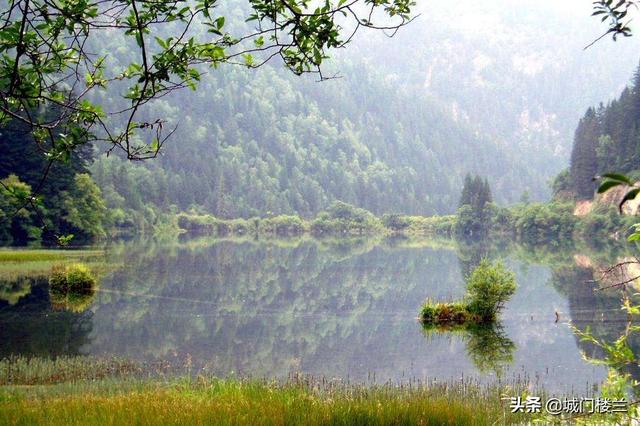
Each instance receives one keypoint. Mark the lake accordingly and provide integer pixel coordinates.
(333, 308)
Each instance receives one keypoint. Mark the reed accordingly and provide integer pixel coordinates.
(86, 390)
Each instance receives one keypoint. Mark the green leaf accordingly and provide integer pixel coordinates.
(618, 177)
(607, 185)
(629, 196)
(634, 237)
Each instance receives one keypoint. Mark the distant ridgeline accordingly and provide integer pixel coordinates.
(607, 139)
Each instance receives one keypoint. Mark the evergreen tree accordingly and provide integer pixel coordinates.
(584, 159)
(606, 140)
(474, 213)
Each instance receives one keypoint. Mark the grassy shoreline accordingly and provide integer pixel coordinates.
(214, 401)
(94, 391)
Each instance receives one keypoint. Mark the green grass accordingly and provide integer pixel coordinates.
(215, 401)
(447, 314)
(21, 371)
(90, 391)
(20, 263)
(40, 255)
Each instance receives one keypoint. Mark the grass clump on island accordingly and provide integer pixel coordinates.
(75, 277)
(120, 399)
(489, 286)
(72, 287)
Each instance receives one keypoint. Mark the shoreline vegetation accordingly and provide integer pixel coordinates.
(97, 391)
(530, 223)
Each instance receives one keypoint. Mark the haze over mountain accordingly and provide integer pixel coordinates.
(485, 88)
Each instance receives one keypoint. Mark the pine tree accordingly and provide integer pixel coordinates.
(584, 158)
(474, 213)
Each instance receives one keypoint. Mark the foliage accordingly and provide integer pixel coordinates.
(561, 183)
(420, 225)
(72, 287)
(111, 398)
(395, 222)
(538, 222)
(445, 313)
(84, 206)
(44, 41)
(616, 13)
(475, 207)
(339, 219)
(488, 287)
(475, 192)
(282, 225)
(366, 139)
(73, 278)
(343, 218)
(607, 139)
(17, 224)
(43, 201)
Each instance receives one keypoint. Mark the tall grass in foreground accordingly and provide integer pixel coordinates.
(211, 401)
(22, 371)
(88, 391)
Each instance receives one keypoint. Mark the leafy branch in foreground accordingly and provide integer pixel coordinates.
(612, 180)
(616, 13)
(46, 58)
(619, 355)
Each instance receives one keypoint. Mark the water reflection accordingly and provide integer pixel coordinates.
(598, 312)
(30, 326)
(487, 345)
(75, 301)
(338, 308)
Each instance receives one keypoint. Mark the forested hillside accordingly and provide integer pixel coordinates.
(397, 133)
(607, 139)
(408, 118)
(250, 144)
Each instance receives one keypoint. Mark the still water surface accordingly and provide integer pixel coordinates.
(336, 309)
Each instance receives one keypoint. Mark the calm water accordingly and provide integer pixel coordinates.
(334, 309)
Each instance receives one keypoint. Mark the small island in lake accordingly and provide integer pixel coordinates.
(489, 286)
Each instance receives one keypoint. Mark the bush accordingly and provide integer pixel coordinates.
(395, 222)
(489, 286)
(204, 224)
(74, 278)
(283, 225)
(543, 222)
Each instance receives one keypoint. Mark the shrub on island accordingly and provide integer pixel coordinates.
(489, 286)
(72, 287)
(75, 277)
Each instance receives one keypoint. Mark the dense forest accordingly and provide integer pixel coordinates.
(607, 139)
(395, 134)
(41, 200)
